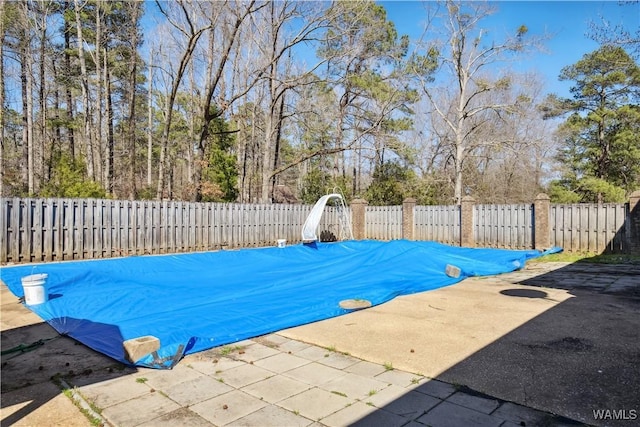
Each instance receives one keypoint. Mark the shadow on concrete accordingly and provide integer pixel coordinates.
(36, 361)
(575, 359)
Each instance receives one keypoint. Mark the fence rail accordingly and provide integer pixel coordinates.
(33, 230)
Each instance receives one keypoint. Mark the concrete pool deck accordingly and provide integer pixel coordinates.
(547, 345)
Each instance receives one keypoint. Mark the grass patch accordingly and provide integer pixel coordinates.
(228, 349)
(589, 257)
(339, 393)
(372, 392)
(388, 366)
(141, 380)
(90, 416)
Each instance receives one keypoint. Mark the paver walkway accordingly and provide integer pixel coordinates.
(277, 381)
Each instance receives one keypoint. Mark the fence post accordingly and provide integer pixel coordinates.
(634, 222)
(541, 206)
(467, 238)
(408, 206)
(358, 207)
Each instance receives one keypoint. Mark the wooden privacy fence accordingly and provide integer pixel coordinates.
(383, 222)
(591, 227)
(437, 223)
(503, 226)
(582, 227)
(66, 229)
(33, 230)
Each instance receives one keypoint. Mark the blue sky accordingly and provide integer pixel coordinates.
(566, 21)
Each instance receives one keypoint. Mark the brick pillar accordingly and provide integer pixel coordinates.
(408, 206)
(541, 230)
(358, 207)
(634, 223)
(467, 238)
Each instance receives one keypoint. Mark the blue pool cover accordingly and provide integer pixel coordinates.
(193, 302)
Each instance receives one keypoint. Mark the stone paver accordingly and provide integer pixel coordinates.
(281, 362)
(412, 405)
(380, 419)
(338, 361)
(253, 352)
(228, 407)
(348, 415)
(365, 368)
(272, 416)
(354, 386)
(244, 375)
(112, 392)
(477, 403)
(314, 373)
(386, 396)
(401, 378)
(518, 414)
(183, 417)
(139, 410)
(436, 388)
(276, 388)
(215, 367)
(159, 380)
(315, 403)
(313, 353)
(195, 391)
(450, 415)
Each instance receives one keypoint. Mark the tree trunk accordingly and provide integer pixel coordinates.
(26, 78)
(131, 120)
(164, 142)
(42, 101)
(56, 144)
(193, 38)
(29, 116)
(84, 80)
(99, 174)
(67, 73)
(110, 134)
(150, 121)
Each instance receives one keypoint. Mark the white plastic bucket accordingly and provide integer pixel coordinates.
(281, 243)
(34, 289)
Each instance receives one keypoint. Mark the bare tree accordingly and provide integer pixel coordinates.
(134, 11)
(276, 44)
(607, 32)
(468, 101)
(26, 78)
(150, 119)
(86, 99)
(179, 16)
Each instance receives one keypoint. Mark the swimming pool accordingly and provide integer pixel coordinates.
(193, 302)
